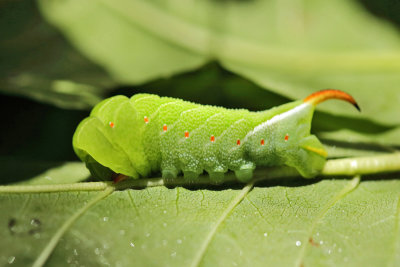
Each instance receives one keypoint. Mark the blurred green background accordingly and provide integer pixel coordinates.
(59, 58)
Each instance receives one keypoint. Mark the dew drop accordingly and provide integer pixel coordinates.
(76, 252)
(105, 219)
(132, 244)
(265, 234)
(11, 260)
(164, 211)
(148, 234)
(164, 242)
(329, 251)
(97, 251)
(321, 242)
(164, 224)
(179, 241)
(122, 232)
(340, 250)
(298, 243)
(173, 254)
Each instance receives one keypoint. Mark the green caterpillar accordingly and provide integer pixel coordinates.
(146, 134)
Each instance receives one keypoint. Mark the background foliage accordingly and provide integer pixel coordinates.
(59, 58)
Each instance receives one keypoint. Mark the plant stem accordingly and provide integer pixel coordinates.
(363, 165)
(336, 167)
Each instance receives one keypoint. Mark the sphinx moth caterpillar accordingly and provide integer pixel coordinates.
(146, 134)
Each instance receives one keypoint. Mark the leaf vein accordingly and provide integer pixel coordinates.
(203, 248)
(44, 255)
(342, 193)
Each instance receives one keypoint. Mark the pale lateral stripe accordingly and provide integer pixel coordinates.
(275, 119)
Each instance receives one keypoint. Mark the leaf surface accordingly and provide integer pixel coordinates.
(291, 49)
(330, 222)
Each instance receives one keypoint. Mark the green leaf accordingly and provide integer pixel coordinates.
(291, 49)
(68, 172)
(276, 223)
(37, 62)
(390, 138)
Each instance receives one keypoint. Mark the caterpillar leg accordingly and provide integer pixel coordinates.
(217, 174)
(245, 172)
(215, 169)
(169, 171)
(190, 166)
(190, 174)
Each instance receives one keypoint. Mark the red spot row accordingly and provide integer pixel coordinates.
(212, 138)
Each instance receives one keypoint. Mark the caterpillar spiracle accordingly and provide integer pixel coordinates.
(146, 134)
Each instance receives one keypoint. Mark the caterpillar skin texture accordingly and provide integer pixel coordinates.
(146, 134)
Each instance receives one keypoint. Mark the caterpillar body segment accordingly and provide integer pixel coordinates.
(147, 134)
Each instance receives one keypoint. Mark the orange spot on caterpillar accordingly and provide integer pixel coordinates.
(212, 138)
(286, 137)
(146, 120)
(164, 127)
(238, 142)
(186, 134)
(326, 94)
(262, 142)
(111, 124)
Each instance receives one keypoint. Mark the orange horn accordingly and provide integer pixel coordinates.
(321, 96)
